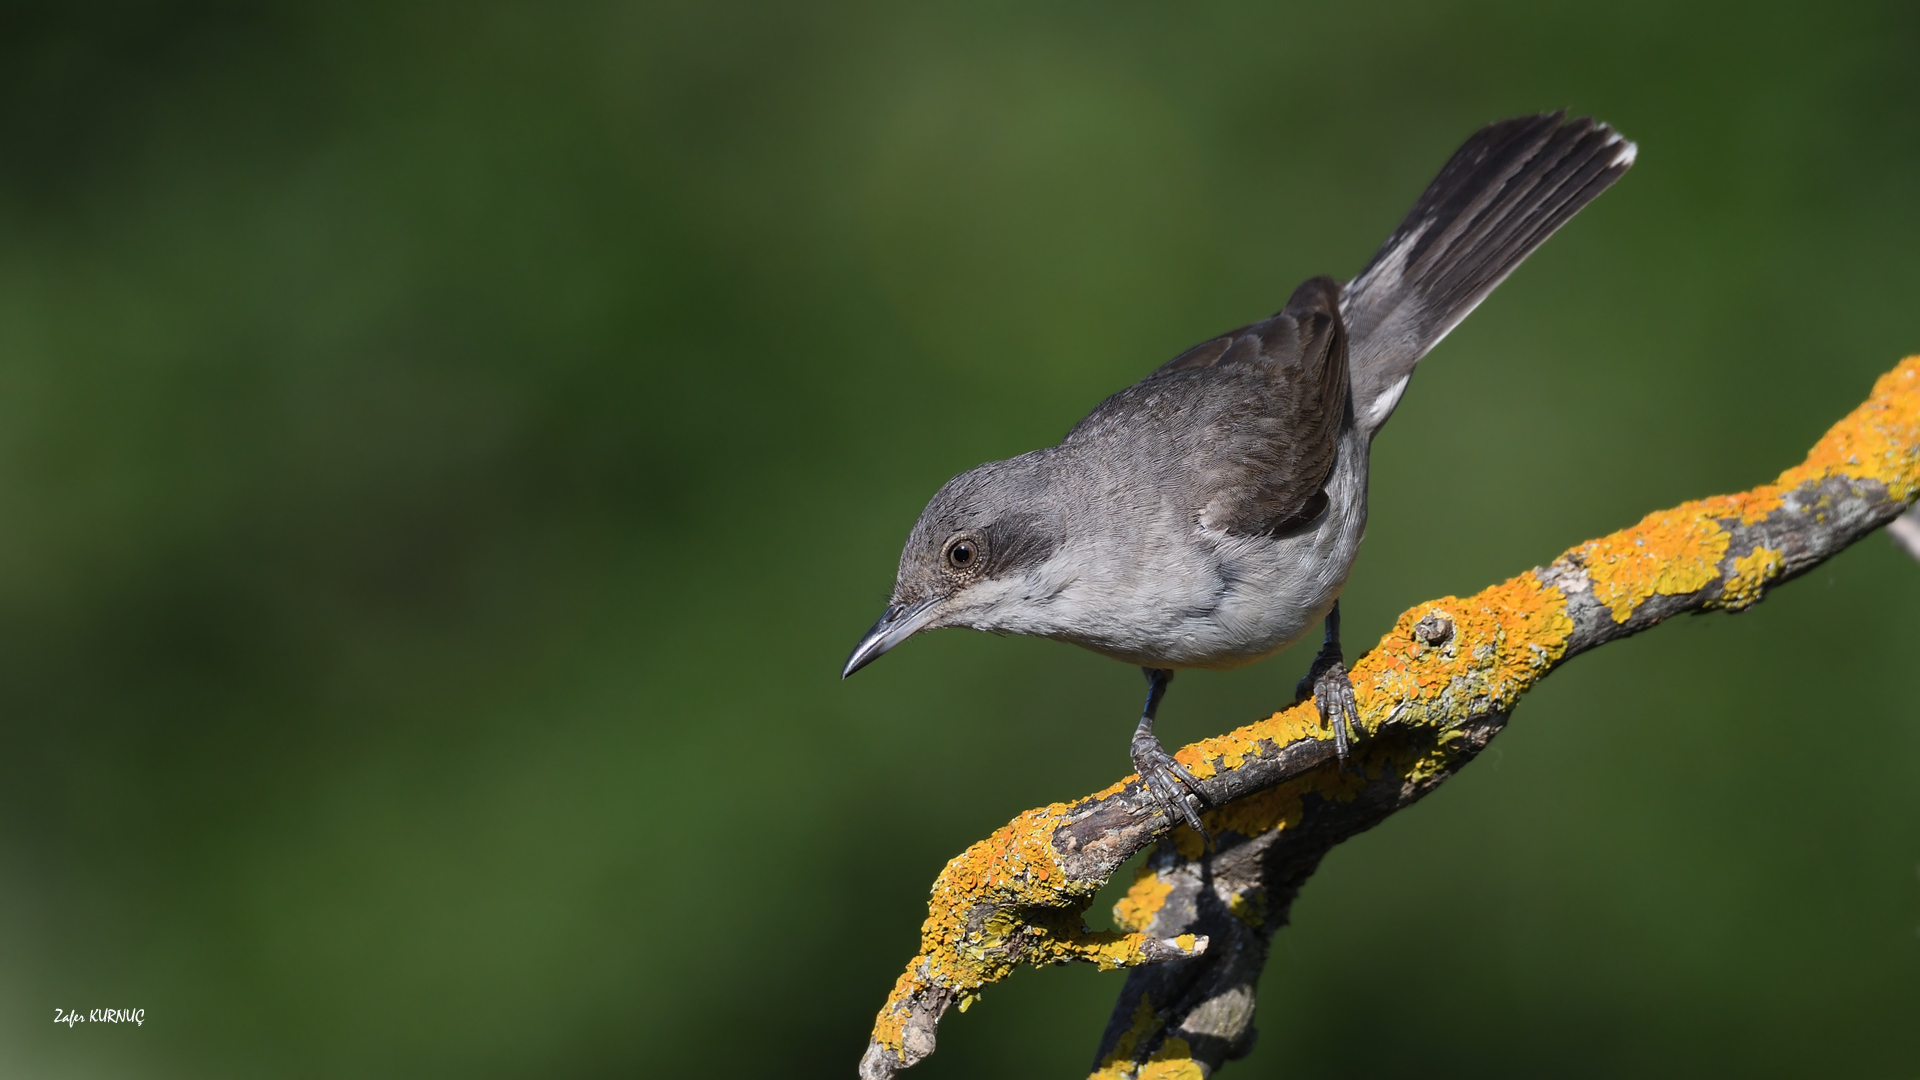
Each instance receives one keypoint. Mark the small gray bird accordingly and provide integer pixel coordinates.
(1208, 515)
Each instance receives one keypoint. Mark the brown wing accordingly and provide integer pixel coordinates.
(1243, 429)
(1265, 461)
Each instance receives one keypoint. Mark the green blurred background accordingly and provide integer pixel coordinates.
(446, 452)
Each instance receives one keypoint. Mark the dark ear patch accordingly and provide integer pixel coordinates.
(1017, 541)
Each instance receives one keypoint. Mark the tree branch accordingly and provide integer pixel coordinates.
(1432, 694)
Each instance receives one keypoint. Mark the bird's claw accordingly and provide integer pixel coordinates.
(1332, 692)
(1172, 786)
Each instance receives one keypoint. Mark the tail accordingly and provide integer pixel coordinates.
(1500, 196)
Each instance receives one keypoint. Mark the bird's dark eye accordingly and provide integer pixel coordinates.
(963, 553)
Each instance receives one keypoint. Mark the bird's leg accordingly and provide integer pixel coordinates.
(1167, 779)
(1332, 691)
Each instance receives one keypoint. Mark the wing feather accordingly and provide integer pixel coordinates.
(1243, 427)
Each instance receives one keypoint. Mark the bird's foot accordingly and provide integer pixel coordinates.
(1332, 692)
(1176, 789)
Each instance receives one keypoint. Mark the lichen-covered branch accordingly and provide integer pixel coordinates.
(1434, 691)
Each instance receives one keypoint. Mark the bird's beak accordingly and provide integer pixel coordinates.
(900, 622)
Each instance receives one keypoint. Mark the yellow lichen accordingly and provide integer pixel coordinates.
(1135, 911)
(1005, 901)
(1679, 551)
(1172, 1061)
(1249, 907)
(1504, 638)
(1880, 440)
(889, 1026)
(1275, 808)
(1208, 757)
(1014, 865)
(1748, 579)
(1670, 553)
(1118, 1064)
(1108, 950)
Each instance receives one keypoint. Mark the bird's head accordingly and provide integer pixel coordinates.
(971, 558)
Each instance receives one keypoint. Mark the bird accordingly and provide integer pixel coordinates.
(1209, 515)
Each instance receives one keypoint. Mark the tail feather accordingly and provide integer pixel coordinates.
(1500, 196)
